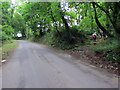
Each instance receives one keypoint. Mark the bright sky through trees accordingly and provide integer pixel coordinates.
(19, 35)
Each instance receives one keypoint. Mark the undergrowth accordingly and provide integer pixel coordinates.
(54, 39)
(109, 47)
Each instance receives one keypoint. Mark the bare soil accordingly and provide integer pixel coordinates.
(95, 58)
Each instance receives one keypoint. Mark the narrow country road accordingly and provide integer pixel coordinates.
(36, 66)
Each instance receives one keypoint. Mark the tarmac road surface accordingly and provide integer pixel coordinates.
(33, 65)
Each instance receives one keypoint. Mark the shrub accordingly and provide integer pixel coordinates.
(7, 33)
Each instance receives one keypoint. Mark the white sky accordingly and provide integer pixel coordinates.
(18, 2)
(19, 35)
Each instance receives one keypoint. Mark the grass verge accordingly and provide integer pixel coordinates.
(7, 47)
(109, 47)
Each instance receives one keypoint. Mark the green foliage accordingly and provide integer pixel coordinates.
(71, 14)
(54, 39)
(7, 13)
(5, 37)
(19, 24)
(113, 55)
(108, 44)
(6, 29)
(110, 47)
(7, 32)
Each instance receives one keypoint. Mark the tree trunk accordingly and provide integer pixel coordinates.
(53, 19)
(66, 25)
(40, 32)
(116, 18)
(99, 24)
(23, 33)
(67, 29)
(112, 21)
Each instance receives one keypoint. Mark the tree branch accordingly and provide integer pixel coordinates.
(107, 13)
(98, 23)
